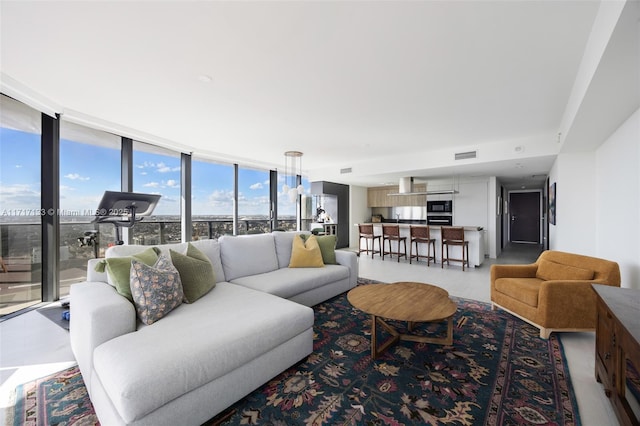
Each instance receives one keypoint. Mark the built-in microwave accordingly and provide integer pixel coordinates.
(441, 206)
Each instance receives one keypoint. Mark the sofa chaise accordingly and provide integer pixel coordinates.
(202, 356)
(554, 293)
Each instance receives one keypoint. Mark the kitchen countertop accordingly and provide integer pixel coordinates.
(407, 225)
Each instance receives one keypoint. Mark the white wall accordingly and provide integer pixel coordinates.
(575, 178)
(618, 200)
(470, 204)
(598, 201)
(358, 212)
(471, 207)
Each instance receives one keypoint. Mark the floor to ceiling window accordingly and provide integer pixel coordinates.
(211, 199)
(254, 205)
(20, 212)
(89, 165)
(307, 211)
(288, 206)
(157, 171)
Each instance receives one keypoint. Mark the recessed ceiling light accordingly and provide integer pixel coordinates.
(205, 78)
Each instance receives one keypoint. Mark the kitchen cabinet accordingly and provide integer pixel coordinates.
(379, 197)
(341, 193)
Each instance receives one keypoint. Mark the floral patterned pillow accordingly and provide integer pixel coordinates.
(156, 289)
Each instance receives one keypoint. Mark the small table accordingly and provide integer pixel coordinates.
(404, 301)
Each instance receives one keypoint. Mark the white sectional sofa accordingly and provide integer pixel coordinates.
(202, 357)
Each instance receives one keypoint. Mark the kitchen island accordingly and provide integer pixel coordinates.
(473, 234)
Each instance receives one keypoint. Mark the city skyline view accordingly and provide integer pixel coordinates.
(88, 169)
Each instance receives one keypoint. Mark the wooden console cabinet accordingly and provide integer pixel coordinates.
(618, 349)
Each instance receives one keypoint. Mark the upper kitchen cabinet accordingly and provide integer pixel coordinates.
(379, 197)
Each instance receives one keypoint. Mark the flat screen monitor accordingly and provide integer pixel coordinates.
(118, 205)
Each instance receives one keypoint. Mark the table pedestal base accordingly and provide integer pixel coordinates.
(376, 350)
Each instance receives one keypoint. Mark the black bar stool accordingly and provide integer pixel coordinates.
(392, 233)
(366, 232)
(421, 235)
(454, 236)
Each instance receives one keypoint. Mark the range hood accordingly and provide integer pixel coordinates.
(405, 187)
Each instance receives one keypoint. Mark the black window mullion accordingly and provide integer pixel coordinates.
(185, 191)
(50, 205)
(273, 198)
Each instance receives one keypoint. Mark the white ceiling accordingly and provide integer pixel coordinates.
(388, 88)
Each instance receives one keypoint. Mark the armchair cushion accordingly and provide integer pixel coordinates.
(548, 270)
(523, 289)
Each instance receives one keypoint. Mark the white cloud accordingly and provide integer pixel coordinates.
(18, 166)
(221, 197)
(172, 183)
(19, 196)
(163, 168)
(257, 185)
(76, 176)
(151, 185)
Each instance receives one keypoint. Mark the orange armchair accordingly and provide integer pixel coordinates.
(554, 293)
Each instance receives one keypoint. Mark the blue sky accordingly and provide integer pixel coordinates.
(86, 171)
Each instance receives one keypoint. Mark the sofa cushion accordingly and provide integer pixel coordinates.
(119, 269)
(247, 255)
(144, 370)
(548, 270)
(306, 254)
(523, 289)
(284, 243)
(196, 273)
(289, 282)
(156, 289)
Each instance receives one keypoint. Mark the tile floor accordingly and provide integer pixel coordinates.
(32, 346)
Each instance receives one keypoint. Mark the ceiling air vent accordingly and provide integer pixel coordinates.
(466, 155)
(345, 171)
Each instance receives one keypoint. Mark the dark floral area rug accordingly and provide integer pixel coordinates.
(497, 372)
(57, 399)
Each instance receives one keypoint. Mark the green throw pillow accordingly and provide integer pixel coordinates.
(119, 269)
(327, 245)
(196, 273)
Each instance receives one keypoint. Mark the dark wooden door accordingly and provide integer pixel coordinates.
(524, 217)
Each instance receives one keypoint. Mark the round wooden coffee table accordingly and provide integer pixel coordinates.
(404, 301)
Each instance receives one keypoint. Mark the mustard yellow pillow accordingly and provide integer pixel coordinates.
(305, 254)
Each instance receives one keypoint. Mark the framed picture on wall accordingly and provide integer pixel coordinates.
(552, 203)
